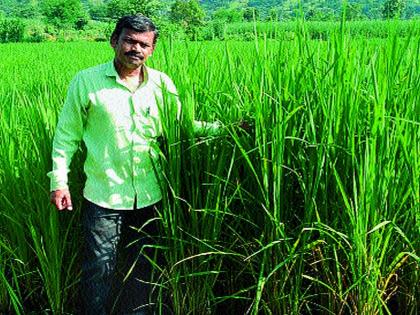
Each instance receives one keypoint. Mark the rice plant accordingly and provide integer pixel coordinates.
(315, 209)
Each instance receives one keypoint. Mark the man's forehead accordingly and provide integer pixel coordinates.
(130, 33)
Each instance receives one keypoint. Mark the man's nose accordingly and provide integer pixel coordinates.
(136, 47)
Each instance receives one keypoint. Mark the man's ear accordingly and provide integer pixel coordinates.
(113, 41)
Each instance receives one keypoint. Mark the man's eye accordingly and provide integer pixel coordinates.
(129, 41)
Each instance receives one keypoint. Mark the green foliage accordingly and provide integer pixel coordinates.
(119, 8)
(217, 30)
(251, 14)
(393, 9)
(71, 14)
(213, 5)
(313, 210)
(65, 14)
(27, 9)
(36, 31)
(236, 11)
(173, 31)
(98, 31)
(320, 29)
(188, 14)
(98, 11)
(412, 9)
(8, 7)
(11, 30)
(273, 14)
(232, 13)
(354, 11)
(315, 9)
(227, 15)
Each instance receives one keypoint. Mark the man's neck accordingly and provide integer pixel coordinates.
(125, 73)
(132, 78)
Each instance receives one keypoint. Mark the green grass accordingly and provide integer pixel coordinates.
(321, 29)
(314, 211)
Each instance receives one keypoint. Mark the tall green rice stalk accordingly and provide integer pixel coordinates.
(314, 209)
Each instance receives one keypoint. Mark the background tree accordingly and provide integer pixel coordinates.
(228, 15)
(65, 13)
(234, 12)
(213, 5)
(354, 11)
(373, 9)
(393, 8)
(287, 10)
(187, 13)
(412, 9)
(11, 30)
(97, 9)
(8, 7)
(119, 8)
(27, 9)
(273, 14)
(251, 13)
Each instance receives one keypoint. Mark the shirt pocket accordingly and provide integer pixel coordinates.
(147, 121)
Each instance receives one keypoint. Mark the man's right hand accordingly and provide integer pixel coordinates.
(61, 199)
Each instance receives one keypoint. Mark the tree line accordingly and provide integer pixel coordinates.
(46, 18)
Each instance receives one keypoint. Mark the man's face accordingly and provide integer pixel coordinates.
(132, 48)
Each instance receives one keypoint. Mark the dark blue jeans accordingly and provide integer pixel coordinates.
(115, 243)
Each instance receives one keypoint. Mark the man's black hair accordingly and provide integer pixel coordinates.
(138, 23)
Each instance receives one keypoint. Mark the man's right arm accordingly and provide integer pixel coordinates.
(66, 141)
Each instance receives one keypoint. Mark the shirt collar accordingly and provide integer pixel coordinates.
(110, 70)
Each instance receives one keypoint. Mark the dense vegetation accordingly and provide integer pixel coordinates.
(313, 211)
(97, 9)
(67, 20)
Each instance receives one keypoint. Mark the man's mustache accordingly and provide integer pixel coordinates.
(134, 54)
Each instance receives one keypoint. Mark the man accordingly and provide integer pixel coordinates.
(113, 109)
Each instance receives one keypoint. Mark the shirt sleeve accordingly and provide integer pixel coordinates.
(68, 134)
(200, 128)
